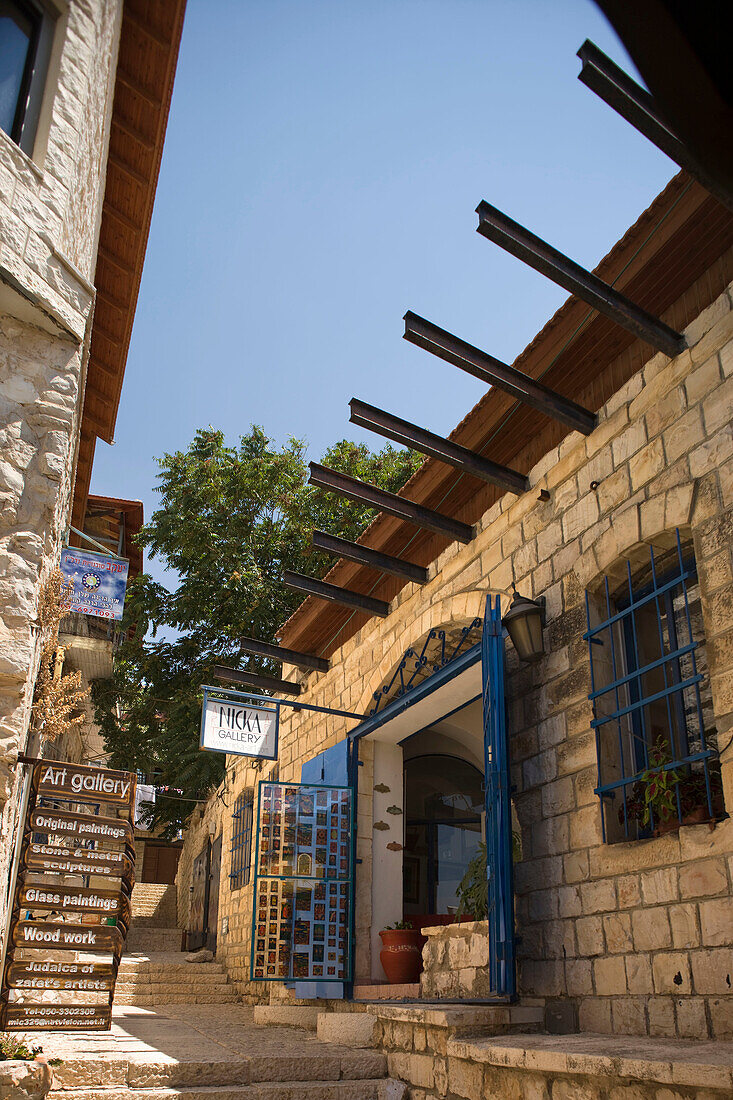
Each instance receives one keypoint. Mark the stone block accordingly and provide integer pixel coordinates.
(610, 976)
(598, 897)
(628, 890)
(646, 464)
(589, 933)
(703, 879)
(716, 922)
(617, 928)
(594, 1014)
(628, 1016)
(662, 1021)
(651, 929)
(350, 1029)
(465, 1078)
(639, 974)
(712, 970)
(659, 886)
(671, 971)
(578, 977)
(287, 1016)
(683, 921)
(691, 1019)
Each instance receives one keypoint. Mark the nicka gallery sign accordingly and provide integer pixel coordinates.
(231, 723)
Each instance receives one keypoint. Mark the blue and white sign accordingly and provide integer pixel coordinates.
(96, 583)
(232, 723)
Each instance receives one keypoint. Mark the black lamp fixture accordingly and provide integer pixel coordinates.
(524, 622)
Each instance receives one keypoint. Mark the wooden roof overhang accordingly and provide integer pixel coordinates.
(148, 54)
(113, 521)
(683, 235)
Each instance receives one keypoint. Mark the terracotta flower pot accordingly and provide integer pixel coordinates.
(401, 955)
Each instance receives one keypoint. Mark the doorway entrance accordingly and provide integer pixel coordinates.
(444, 802)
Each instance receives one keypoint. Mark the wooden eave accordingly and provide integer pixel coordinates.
(148, 54)
(102, 521)
(684, 235)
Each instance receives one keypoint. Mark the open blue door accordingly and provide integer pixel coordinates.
(332, 768)
(499, 867)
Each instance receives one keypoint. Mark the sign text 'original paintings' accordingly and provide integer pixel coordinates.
(95, 583)
(230, 724)
(85, 827)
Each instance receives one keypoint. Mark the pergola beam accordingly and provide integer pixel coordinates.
(322, 590)
(493, 372)
(363, 493)
(538, 254)
(445, 450)
(253, 679)
(374, 559)
(279, 653)
(634, 103)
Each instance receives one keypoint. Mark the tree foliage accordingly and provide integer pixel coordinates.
(230, 520)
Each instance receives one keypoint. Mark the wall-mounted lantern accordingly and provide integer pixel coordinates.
(524, 622)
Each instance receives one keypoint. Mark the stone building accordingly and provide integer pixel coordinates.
(88, 87)
(623, 919)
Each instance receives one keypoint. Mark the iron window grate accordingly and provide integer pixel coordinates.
(241, 848)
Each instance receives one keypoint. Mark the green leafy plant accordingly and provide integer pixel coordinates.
(473, 889)
(15, 1048)
(399, 926)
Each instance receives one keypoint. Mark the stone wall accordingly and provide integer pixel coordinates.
(49, 215)
(456, 961)
(629, 937)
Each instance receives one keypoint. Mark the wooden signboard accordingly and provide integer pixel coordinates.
(55, 912)
(54, 859)
(57, 936)
(81, 783)
(41, 974)
(84, 826)
(56, 1017)
(71, 899)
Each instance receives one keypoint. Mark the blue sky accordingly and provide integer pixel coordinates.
(322, 165)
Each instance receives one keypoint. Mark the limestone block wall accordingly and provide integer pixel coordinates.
(456, 961)
(50, 206)
(636, 936)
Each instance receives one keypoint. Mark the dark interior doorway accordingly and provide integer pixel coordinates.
(444, 802)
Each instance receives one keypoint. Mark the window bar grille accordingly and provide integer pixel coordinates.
(674, 750)
(617, 699)
(698, 700)
(241, 840)
(677, 680)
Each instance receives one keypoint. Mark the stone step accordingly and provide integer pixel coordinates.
(186, 978)
(153, 939)
(154, 988)
(379, 1089)
(149, 1000)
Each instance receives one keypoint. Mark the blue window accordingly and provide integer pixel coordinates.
(241, 840)
(652, 709)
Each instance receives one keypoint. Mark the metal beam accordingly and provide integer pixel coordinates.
(410, 435)
(361, 491)
(279, 653)
(325, 591)
(374, 559)
(495, 373)
(535, 252)
(634, 103)
(253, 679)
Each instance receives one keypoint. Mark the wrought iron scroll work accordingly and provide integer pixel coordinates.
(441, 646)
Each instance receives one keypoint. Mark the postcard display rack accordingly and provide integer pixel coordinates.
(303, 883)
(71, 904)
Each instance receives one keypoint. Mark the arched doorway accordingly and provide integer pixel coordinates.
(444, 806)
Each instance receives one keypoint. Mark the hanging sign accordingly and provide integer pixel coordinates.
(83, 826)
(81, 783)
(231, 724)
(54, 919)
(80, 861)
(95, 583)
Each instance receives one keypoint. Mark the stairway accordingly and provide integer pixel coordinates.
(153, 919)
(165, 978)
(211, 1053)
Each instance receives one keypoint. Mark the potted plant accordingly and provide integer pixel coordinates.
(654, 797)
(401, 955)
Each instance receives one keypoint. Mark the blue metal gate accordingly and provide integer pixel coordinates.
(499, 867)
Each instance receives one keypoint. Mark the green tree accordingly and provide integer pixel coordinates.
(230, 520)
